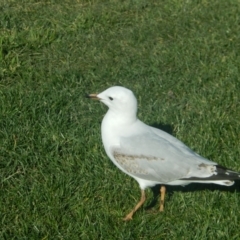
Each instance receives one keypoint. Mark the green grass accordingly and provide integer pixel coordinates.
(181, 59)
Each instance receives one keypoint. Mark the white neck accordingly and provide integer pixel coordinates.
(120, 118)
(113, 127)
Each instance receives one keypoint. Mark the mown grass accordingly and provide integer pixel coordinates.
(181, 58)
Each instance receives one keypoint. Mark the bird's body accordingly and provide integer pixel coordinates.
(149, 155)
(140, 163)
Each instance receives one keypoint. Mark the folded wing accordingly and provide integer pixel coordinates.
(152, 157)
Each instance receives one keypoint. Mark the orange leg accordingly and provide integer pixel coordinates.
(162, 192)
(140, 203)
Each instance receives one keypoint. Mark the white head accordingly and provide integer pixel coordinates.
(120, 101)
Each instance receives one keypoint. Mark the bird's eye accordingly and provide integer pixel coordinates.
(110, 98)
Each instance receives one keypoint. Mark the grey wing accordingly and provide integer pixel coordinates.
(151, 157)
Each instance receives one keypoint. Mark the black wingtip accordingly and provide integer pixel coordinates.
(222, 173)
(230, 174)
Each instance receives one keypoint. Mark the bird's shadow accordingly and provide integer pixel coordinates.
(193, 187)
(165, 127)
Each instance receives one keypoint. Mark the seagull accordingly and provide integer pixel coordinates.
(150, 155)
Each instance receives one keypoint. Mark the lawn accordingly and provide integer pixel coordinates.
(180, 58)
